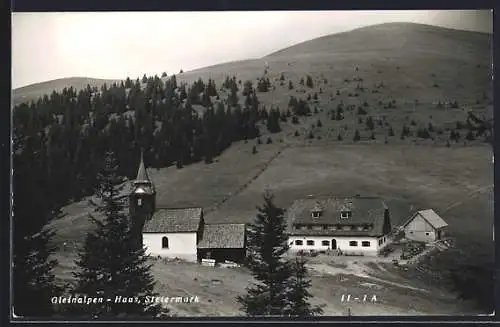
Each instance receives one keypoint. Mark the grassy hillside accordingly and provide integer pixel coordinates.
(418, 50)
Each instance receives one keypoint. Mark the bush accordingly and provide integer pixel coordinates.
(269, 140)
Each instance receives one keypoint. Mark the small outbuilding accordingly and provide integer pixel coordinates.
(223, 242)
(425, 226)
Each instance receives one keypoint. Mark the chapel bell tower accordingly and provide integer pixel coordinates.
(142, 199)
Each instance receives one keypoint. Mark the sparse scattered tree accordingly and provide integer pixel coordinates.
(391, 131)
(309, 81)
(356, 137)
(369, 123)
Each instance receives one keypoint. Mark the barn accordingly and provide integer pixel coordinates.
(352, 225)
(223, 242)
(174, 233)
(424, 226)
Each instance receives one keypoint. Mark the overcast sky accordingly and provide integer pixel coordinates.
(115, 45)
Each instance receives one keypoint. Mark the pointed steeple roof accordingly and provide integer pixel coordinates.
(142, 184)
(142, 174)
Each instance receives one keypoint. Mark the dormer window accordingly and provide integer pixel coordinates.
(345, 214)
(316, 210)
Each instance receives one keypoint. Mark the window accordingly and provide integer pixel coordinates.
(366, 227)
(298, 242)
(310, 242)
(319, 227)
(384, 239)
(325, 243)
(427, 233)
(309, 227)
(365, 244)
(139, 202)
(380, 242)
(359, 228)
(315, 214)
(164, 242)
(325, 226)
(353, 243)
(345, 214)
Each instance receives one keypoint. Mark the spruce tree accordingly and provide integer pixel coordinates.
(111, 262)
(267, 243)
(298, 294)
(356, 137)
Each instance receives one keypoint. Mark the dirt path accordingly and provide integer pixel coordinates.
(469, 196)
(247, 184)
(359, 270)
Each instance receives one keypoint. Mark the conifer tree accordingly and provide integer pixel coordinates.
(112, 263)
(298, 294)
(267, 243)
(356, 137)
(309, 81)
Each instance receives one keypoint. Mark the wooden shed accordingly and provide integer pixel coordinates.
(223, 242)
(425, 226)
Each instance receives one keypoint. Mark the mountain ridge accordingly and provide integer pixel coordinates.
(394, 39)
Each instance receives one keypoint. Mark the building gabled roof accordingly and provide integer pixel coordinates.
(430, 216)
(223, 236)
(174, 221)
(364, 211)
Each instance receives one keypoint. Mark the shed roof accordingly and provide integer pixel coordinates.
(174, 221)
(430, 216)
(223, 236)
(364, 211)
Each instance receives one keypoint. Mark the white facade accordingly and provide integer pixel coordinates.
(178, 245)
(347, 244)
